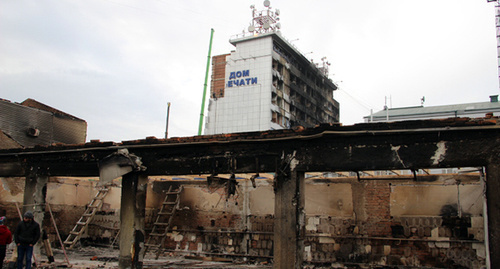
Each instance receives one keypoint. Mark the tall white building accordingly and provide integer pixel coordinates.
(267, 84)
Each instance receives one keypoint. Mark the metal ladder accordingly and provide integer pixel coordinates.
(83, 222)
(163, 220)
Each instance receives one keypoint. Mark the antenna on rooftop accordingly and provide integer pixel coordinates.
(324, 68)
(264, 21)
(497, 20)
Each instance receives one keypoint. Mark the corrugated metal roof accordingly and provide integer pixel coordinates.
(50, 125)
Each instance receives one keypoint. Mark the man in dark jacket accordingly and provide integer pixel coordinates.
(26, 235)
(5, 239)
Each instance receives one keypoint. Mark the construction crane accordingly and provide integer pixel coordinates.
(497, 22)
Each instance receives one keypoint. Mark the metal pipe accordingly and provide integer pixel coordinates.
(205, 86)
(168, 116)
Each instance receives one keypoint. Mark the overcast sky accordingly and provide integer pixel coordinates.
(116, 63)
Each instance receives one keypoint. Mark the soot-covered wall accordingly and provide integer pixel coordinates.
(436, 222)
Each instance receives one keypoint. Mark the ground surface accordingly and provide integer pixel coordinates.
(96, 257)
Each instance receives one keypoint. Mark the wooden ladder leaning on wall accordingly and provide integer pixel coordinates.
(86, 218)
(163, 221)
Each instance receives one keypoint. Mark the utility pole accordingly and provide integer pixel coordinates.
(168, 116)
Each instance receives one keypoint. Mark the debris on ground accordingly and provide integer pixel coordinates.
(104, 258)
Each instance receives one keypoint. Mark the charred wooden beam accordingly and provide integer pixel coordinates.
(328, 150)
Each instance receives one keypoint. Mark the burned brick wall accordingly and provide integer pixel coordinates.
(68, 199)
(210, 222)
(399, 223)
(437, 222)
(377, 207)
(347, 221)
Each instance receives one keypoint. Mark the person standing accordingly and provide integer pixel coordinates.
(5, 239)
(26, 235)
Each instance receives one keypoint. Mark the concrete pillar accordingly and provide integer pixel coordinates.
(140, 216)
(493, 207)
(29, 194)
(132, 214)
(35, 191)
(289, 219)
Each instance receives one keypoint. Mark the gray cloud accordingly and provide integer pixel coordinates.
(116, 64)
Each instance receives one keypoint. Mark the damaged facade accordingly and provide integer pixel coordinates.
(271, 195)
(435, 222)
(267, 84)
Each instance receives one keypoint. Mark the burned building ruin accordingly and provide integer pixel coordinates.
(295, 197)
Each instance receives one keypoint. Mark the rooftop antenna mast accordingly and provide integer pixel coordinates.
(324, 68)
(264, 21)
(497, 22)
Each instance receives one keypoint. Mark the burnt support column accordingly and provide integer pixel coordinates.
(140, 216)
(132, 213)
(29, 194)
(35, 191)
(493, 206)
(289, 218)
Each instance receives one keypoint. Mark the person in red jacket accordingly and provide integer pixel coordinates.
(5, 239)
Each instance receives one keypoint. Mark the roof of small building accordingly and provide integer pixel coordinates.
(432, 110)
(38, 105)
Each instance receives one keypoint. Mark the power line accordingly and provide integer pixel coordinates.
(357, 100)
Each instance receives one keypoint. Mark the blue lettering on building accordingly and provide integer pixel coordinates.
(241, 78)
